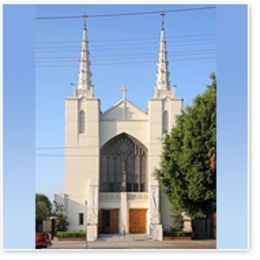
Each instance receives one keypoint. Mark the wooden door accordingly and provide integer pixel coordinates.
(100, 219)
(114, 221)
(104, 221)
(108, 221)
(137, 220)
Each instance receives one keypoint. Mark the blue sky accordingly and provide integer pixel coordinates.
(52, 86)
(114, 42)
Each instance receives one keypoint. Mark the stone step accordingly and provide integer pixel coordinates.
(128, 237)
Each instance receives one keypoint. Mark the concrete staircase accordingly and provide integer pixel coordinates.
(127, 237)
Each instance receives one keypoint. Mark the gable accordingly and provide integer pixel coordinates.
(124, 110)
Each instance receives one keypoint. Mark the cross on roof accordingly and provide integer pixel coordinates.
(123, 90)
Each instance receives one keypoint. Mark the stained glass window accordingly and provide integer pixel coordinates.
(123, 165)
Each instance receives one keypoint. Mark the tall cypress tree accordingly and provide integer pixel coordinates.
(187, 171)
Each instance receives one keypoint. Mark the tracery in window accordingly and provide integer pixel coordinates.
(123, 165)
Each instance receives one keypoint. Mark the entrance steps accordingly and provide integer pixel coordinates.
(127, 237)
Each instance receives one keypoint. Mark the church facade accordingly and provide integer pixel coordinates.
(110, 156)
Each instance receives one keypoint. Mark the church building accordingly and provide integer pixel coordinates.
(110, 156)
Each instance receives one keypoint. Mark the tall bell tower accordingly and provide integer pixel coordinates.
(82, 137)
(162, 110)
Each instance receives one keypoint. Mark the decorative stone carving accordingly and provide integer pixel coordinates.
(109, 196)
(154, 198)
(93, 205)
(138, 196)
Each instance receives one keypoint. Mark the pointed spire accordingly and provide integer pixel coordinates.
(162, 76)
(85, 25)
(162, 15)
(84, 81)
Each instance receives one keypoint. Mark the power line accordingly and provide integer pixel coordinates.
(180, 36)
(126, 55)
(126, 46)
(126, 14)
(126, 63)
(127, 59)
(123, 48)
(116, 43)
(64, 147)
(132, 61)
(79, 156)
(131, 44)
(78, 147)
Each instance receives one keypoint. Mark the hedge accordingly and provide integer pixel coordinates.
(70, 234)
(177, 233)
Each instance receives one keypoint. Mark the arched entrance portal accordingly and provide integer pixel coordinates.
(123, 165)
(123, 181)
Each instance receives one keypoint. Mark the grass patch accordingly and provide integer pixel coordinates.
(70, 234)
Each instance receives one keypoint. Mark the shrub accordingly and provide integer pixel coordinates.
(177, 233)
(177, 222)
(70, 234)
(61, 223)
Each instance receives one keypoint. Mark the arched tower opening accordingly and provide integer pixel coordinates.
(81, 122)
(165, 122)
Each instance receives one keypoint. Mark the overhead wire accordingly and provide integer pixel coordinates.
(126, 63)
(77, 50)
(208, 34)
(127, 54)
(132, 43)
(120, 44)
(126, 14)
(122, 57)
(125, 46)
(116, 43)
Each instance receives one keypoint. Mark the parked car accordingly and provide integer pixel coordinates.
(41, 240)
(44, 231)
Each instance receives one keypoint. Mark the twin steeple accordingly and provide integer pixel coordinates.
(162, 81)
(162, 85)
(85, 86)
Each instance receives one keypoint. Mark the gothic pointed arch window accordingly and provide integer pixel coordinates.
(123, 165)
(165, 122)
(81, 122)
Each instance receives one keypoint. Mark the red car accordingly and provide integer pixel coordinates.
(41, 240)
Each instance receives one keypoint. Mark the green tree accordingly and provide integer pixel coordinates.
(187, 171)
(61, 220)
(43, 207)
(42, 211)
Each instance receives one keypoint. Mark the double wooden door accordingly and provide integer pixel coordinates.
(109, 221)
(137, 220)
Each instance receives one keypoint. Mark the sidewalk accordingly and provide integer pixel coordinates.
(134, 244)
